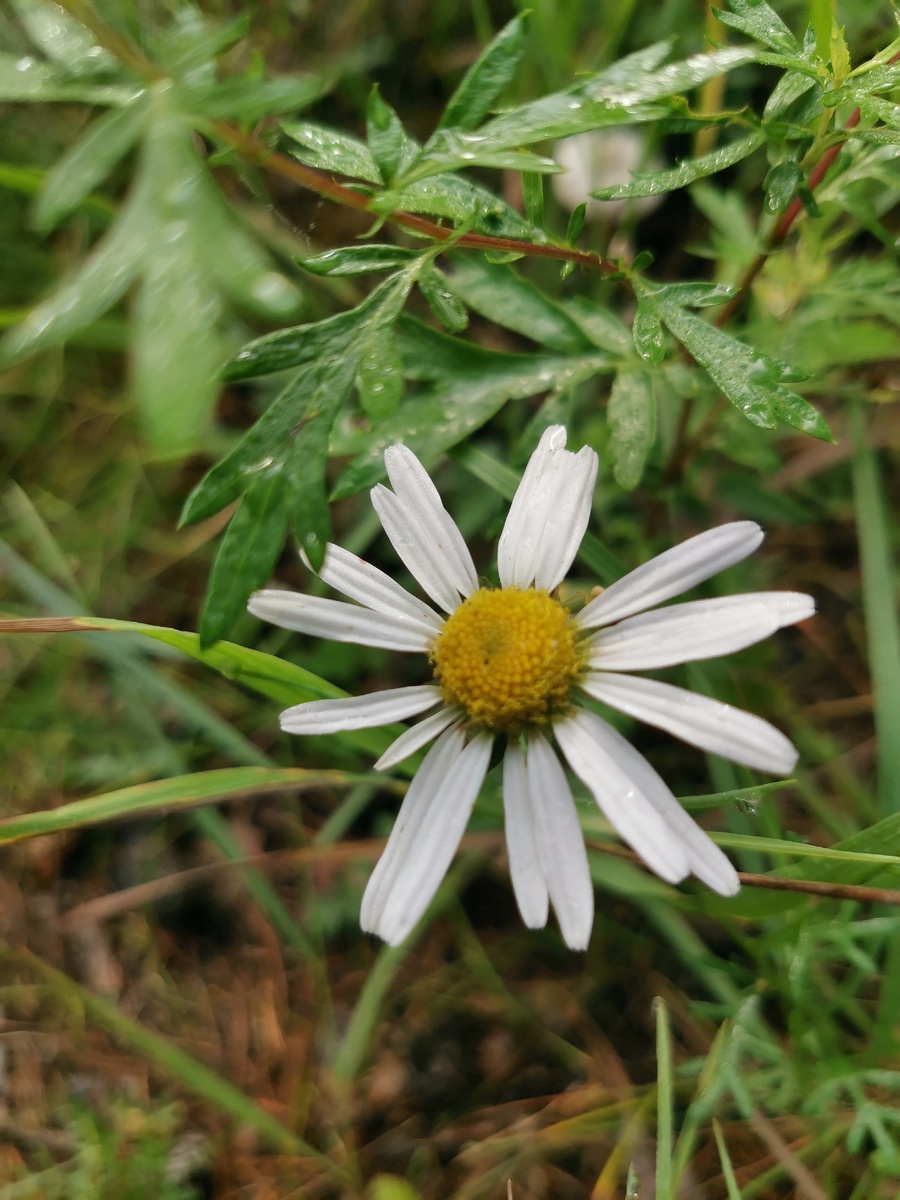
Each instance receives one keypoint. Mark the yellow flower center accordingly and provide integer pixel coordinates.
(509, 657)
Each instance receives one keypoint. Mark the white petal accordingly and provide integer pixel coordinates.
(565, 517)
(340, 622)
(525, 868)
(414, 486)
(367, 585)
(560, 843)
(429, 852)
(683, 633)
(360, 712)
(709, 724)
(787, 607)
(548, 514)
(593, 751)
(419, 547)
(673, 572)
(705, 858)
(418, 736)
(437, 765)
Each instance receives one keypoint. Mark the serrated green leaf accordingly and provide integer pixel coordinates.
(839, 53)
(87, 164)
(660, 182)
(781, 185)
(307, 453)
(647, 331)
(533, 197)
(389, 143)
(470, 385)
(331, 150)
(487, 78)
(450, 311)
(303, 343)
(759, 21)
(467, 204)
(379, 379)
(625, 93)
(515, 303)
(790, 87)
(249, 551)
(256, 452)
(359, 260)
(252, 99)
(576, 223)
(177, 350)
(752, 381)
(632, 424)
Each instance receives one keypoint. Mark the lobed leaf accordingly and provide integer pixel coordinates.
(759, 21)
(330, 150)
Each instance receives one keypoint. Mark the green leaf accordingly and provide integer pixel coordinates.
(63, 39)
(486, 80)
(599, 325)
(467, 204)
(255, 452)
(104, 276)
(660, 182)
(163, 796)
(647, 331)
(759, 21)
(389, 142)
(329, 150)
(515, 303)
(359, 260)
(450, 150)
(380, 376)
(752, 381)
(576, 224)
(840, 55)
(625, 93)
(306, 456)
(470, 385)
(300, 344)
(697, 295)
(533, 197)
(252, 99)
(632, 424)
(24, 79)
(781, 184)
(450, 311)
(82, 168)
(249, 551)
(789, 88)
(177, 350)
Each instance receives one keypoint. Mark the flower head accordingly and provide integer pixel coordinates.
(514, 661)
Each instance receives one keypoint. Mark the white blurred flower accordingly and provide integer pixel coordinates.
(514, 661)
(598, 159)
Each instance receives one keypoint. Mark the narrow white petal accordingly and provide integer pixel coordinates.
(419, 549)
(673, 572)
(360, 712)
(683, 633)
(424, 865)
(418, 736)
(708, 724)
(787, 607)
(705, 858)
(525, 868)
(340, 622)
(568, 510)
(518, 541)
(367, 585)
(597, 759)
(560, 843)
(414, 486)
(438, 764)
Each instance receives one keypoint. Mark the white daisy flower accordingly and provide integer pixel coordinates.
(514, 661)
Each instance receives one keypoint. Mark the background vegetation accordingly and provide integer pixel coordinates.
(189, 1008)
